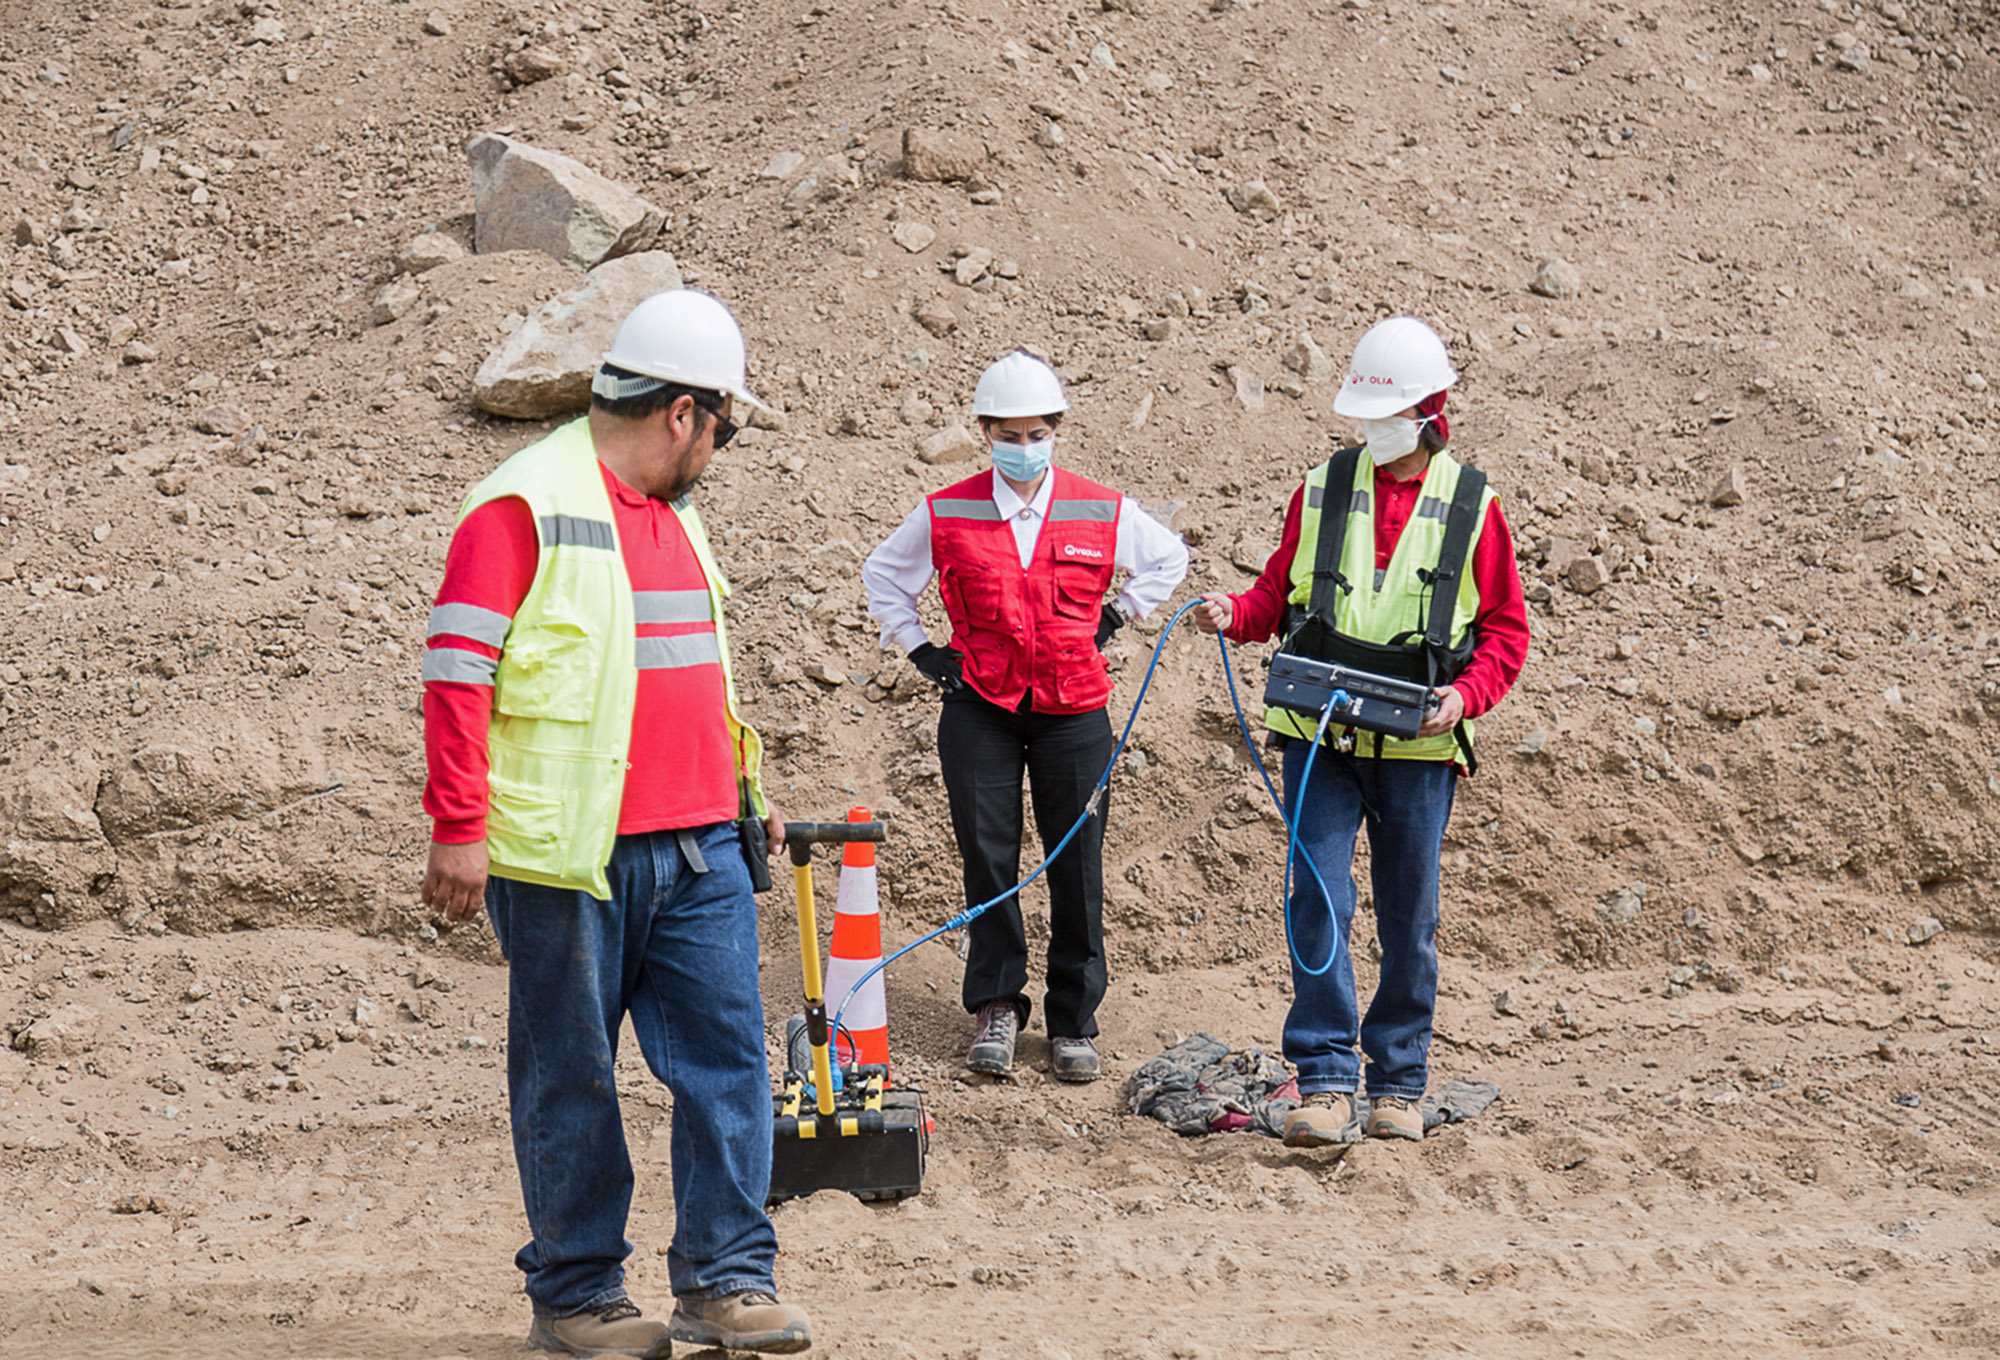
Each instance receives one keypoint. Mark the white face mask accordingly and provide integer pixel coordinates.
(1390, 439)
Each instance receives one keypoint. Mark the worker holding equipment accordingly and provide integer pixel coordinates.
(1395, 561)
(1024, 555)
(592, 784)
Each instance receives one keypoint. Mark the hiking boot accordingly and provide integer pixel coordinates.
(1319, 1119)
(1394, 1117)
(1073, 1059)
(613, 1328)
(753, 1320)
(992, 1050)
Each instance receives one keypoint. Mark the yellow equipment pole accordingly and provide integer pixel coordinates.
(802, 888)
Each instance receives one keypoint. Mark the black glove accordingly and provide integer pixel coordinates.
(945, 667)
(1109, 622)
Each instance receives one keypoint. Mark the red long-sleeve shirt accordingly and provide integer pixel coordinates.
(682, 764)
(1502, 620)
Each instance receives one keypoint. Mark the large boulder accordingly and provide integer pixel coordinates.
(544, 368)
(529, 199)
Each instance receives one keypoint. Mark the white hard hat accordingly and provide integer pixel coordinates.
(1019, 385)
(684, 337)
(1397, 364)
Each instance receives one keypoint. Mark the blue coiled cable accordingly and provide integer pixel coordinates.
(1339, 699)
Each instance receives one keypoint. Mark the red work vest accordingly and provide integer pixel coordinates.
(1035, 629)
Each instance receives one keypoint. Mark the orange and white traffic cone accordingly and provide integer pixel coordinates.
(857, 947)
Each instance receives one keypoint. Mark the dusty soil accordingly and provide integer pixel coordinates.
(1746, 451)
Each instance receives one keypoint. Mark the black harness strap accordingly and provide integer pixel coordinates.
(1460, 521)
(1334, 507)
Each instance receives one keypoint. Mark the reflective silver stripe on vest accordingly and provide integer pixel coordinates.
(1103, 512)
(1430, 507)
(1357, 504)
(1381, 575)
(965, 510)
(1315, 495)
(671, 606)
(671, 653)
(470, 621)
(456, 666)
(576, 532)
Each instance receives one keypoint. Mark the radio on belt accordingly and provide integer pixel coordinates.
(1375, 703)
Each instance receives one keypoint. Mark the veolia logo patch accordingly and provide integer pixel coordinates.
(1078, 550)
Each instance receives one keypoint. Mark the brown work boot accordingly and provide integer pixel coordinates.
(613, 1328)
(1073, 1059)
(750, 1321)
(992, 1050)
(1394, 1117)
(1319, 1120)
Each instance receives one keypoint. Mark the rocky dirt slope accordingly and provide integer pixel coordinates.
(227, 491)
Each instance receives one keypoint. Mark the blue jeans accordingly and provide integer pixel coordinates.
(677, 950)
(1406, 804)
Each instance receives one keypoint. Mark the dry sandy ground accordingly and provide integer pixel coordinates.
(1795, 1168)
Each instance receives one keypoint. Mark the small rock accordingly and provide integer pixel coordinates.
(66, 1032)
(1249, 388)
(1308, 360)
(953, 444)
(1534, 744)
(437, 25)
(1926, 930)
(1503, 1003)
(1555, 277)
(139, 352)
(532, 65)
(427, 252)
(71, 343)
(1160, 328)
(940, 157)
(266, 30)
(936, 316)
(914, 237)
(526, 198)
(779, 671)
(1587, 575)
(394, 300)
(544, 368)
(81, 178)
(1975, 381)
(1621, 907)
(222, 419)
(973, 266)
(781, 165)
(1729, 491)
(120, 330)
(28, 232)
(1255, 198)
(1049, 135)
(1854, 58)
(822, 674)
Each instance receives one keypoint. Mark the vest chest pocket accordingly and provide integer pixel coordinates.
(1079, 590)
(547, 672)
(977, 593)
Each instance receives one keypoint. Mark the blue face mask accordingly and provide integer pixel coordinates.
(1023, 462)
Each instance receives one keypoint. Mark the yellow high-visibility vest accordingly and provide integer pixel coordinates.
(1395, 600)
(565, 689)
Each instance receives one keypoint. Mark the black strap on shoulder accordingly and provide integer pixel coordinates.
(1460, 521)
(1335, 498)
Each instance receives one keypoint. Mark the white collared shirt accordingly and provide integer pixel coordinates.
(898, 571)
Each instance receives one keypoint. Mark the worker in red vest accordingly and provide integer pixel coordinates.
(1024, 555)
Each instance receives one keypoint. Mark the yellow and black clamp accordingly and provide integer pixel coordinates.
(862, 1138)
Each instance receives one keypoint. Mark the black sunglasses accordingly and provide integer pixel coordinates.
(711, 402)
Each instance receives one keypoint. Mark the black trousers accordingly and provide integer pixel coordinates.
(984, 749)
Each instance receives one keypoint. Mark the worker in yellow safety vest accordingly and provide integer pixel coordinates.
(1395, 560)
(593, 786)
